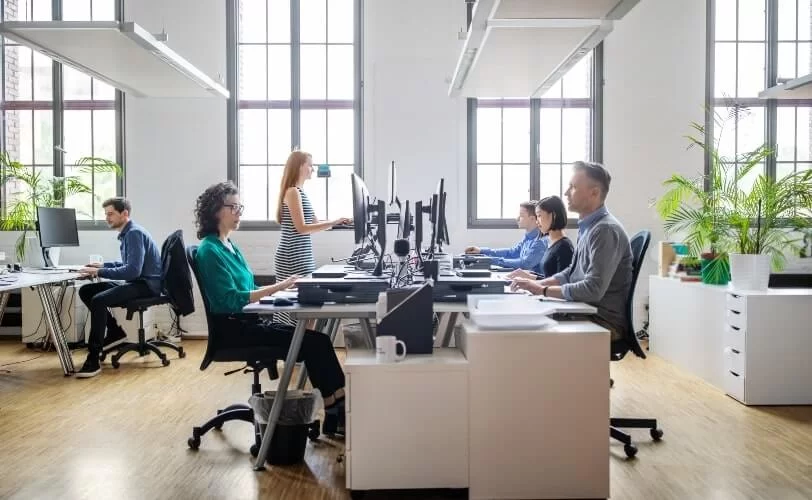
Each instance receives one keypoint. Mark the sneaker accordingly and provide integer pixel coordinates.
(91, 368)
(114, 338)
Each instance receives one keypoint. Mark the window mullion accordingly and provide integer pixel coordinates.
(295, 76)
(58, 115)
(535, 137)
(771, 110)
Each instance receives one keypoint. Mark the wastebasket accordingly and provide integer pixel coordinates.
(289, 440)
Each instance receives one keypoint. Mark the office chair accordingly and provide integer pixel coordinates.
(629, 342)
(173, 278)
(256, 360)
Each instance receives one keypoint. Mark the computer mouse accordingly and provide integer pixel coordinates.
(282, 301)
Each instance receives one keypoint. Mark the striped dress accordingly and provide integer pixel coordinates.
(294, 255)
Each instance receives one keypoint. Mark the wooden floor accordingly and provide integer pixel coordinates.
(123, 435)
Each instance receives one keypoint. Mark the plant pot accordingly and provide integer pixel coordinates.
(749, 271)
(714, 271)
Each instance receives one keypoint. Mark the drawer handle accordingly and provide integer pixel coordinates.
(734, 327)
(734, 311)
(735, 350)
(734, 373)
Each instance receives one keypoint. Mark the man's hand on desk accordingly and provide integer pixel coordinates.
(472, 250)
(521, 273)
(89, 272)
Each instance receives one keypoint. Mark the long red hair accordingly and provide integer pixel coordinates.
(289, 177)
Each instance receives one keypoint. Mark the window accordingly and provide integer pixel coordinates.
(297, 82)
(87, 111)
(516, 148)
(756, 44)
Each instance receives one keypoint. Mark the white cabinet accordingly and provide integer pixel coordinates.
(407, 422)
(755, 346)
(539, 411)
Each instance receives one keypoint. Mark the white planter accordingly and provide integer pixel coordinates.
(749, 272)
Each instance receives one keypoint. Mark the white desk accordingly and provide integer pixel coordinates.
(755, 346)
(41, 282)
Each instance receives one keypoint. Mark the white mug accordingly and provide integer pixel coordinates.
(386, 347)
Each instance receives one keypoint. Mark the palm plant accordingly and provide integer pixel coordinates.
(32, 189)
(719, 215)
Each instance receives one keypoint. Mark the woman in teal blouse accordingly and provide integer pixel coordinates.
(228, 285)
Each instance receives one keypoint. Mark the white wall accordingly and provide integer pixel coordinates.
(654, 87)
(175, 148)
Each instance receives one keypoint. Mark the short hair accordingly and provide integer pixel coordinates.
(119, 204)
(555, 206)
(597, 173)
(209, 204)
(530, 206)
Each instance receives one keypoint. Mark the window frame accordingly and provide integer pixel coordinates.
(770, 106)
(535, 105)
(296, 103)
(58, 105)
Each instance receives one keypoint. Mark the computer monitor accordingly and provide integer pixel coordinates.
(392, 186)
(360, 208)
(57, 228)
(437, 217)
(406, 222)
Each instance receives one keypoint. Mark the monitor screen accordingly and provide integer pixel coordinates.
(57, 227)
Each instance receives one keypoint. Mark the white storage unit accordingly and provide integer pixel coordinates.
(754, 346)
(539, 411)
(398, 414)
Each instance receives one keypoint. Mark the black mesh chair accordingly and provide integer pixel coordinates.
(256, 360)
(629, 343)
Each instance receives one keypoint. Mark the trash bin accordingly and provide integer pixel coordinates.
(354, 337)
(289, 440)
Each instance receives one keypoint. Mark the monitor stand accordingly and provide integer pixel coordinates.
(46, 259)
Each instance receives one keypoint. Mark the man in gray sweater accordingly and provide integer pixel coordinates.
(601, 270)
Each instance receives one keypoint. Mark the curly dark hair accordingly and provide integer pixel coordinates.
(207, 206)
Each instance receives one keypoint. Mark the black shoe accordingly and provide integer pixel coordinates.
(114, 338)
(334, 420)
(91, 368)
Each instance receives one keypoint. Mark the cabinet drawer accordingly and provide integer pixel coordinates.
(736, 319)
(736, 302)
(734, 337)
(734, 361)
(734, 385)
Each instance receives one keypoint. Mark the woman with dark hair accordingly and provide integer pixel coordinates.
(228, 285)
(551, 217)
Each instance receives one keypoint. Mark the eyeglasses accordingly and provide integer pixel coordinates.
(236, 208)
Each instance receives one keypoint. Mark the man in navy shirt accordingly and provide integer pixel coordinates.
(137, 275)
(526, 254)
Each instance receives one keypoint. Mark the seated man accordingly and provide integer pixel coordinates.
(137, 275)
(526, 254)
(601, 270)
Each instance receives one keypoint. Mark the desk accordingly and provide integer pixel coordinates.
(754, 346)
(41, 282)
(362, 312)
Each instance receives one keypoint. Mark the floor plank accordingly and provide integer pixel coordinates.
(123, 435)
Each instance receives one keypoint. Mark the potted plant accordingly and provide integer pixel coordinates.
(24, 189)
(734, 228)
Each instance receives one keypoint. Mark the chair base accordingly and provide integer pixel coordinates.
(142, 347)
(615, 424)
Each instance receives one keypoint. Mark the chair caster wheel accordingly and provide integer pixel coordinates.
(611, 383)
(101, 357)
(165, 362)
(630, 449)
(656, 434)
(254, 450)
(194, 443)
(116, 364)
(181, 353)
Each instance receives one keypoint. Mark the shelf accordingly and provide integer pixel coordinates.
(798, 88)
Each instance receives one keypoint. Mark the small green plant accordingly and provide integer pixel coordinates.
(33, 190)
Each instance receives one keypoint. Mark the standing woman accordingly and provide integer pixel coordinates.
(294, 255)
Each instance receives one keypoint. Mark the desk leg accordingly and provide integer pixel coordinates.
(366, 328)
(54, 324)
(3, 303)
(281, 392)
(446, 328)
(322, 325)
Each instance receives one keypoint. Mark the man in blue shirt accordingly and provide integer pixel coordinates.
(526, 254)
(137, 275)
